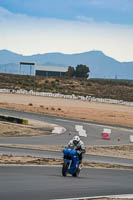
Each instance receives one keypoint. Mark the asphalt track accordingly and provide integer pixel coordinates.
(37, 183)
(93, 131)
(45, 183)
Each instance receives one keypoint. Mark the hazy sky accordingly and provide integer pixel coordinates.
(67, 26)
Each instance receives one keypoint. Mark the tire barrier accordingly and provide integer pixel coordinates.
(73, 96)
(13, 120)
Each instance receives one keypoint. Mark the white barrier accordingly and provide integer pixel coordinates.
(131, 138)
(74, 97)
(107, 130)
(58, 130)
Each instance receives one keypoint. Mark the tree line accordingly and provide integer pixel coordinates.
(80, 71)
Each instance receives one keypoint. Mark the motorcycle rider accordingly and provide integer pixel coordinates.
(78, 144)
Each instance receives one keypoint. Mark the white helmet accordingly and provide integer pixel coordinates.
(76, 140)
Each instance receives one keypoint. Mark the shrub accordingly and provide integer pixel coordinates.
(57, 80)
(53, 82)
(46, 81)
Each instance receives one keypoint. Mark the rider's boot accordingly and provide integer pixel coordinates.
(80, 164)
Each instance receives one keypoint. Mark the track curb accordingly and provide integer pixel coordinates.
(121, 196)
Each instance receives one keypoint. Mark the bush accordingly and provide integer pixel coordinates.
(41, 106)
(57, 80)
(47, 81)
(53, 82)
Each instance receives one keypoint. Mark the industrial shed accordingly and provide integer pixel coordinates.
(50, 71)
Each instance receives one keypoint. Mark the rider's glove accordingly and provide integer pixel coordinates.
(79, 152)
(78, 148)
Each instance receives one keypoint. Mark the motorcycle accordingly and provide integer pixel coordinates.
(71, 162)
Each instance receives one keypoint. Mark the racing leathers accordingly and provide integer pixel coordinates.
(80, 148)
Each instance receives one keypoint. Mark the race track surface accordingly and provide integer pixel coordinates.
(45, 183)
(93, 132)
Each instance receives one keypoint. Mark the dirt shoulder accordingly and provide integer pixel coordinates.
(28, 160)
(122, 151)
(33, 129)
(91, 111)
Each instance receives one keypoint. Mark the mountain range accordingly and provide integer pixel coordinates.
(101, 66)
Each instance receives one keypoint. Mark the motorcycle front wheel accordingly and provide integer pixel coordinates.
(65, 169)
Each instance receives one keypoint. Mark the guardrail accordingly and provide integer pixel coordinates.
(73, 96)
(13, 119)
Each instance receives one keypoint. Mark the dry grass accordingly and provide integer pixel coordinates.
(102, 88)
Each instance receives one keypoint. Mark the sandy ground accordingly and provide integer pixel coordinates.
(28, 160)
(34, 128)
(96, 112)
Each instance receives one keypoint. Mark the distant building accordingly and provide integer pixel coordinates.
(29, 68)
(50, 71)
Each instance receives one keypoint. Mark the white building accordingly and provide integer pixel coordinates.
(50, 71)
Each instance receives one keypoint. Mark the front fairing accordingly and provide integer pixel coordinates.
(71, 158)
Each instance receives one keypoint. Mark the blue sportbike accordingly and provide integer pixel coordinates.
(71, 162)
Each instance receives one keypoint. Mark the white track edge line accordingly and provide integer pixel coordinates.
(128, 196)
